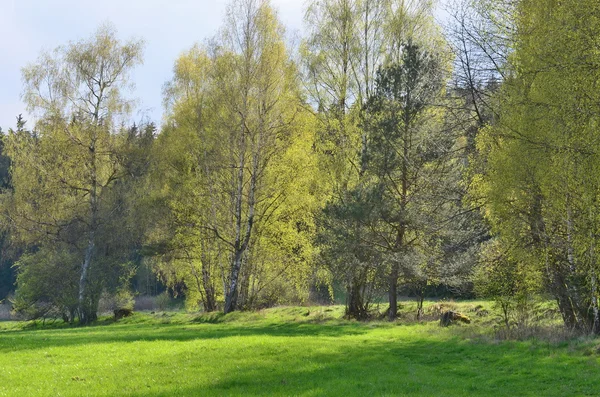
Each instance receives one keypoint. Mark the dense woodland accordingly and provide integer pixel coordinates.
(386, 155)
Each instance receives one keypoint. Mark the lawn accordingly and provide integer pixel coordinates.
(287, 352)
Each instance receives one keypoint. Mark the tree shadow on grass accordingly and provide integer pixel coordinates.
(11, 341)
(330, 364)
(412, 368)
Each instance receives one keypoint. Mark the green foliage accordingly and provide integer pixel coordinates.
(48, 284)
(539, 177)
(164, 301)
(8, 251)
(236, 171)
(512, 284)
(274, 176)
(121, 299)
(348, 46)
(408, 165)
(124, 299)
(65, 173)
(347, 251)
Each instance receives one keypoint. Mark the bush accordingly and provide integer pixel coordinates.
(48, 285)
(163, 301)
(512, 284)
(122, 299)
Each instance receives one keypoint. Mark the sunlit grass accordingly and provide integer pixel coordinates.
(286, 351)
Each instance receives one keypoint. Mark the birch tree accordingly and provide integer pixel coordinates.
(540, 178)
(63, 174)
(238, 170)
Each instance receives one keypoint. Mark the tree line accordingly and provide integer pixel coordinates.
(384, 155)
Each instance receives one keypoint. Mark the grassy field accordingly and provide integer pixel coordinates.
(287, 352)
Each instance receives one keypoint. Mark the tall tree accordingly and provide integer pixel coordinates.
(62, 176)
(348, 42)
(539, 178)
(242, 208)
(7, 256)
(408, 157)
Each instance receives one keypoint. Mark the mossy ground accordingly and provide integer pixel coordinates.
(288, 351)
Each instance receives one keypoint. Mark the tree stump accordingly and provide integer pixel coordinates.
(120, 313)
(450, 317)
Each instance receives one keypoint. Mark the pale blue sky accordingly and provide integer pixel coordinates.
(168, 27)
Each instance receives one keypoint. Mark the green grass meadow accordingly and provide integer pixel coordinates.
(295, 351)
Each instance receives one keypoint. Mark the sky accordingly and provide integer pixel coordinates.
(168, 28)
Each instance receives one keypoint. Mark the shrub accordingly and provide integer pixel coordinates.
(48, 285)
(512, 284)
(122, 299)
(163, 301)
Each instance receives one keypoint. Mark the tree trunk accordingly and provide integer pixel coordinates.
(399, 245)
(565, 305)
(573, 293)
(244, 289)
(241, 242)
(355, 302)
(210, 303)
(420, 299)
(232, 295)
(393, 293)
(505, 304)
(395, 272)
(87, 306)
(595, 328)
(595, 311)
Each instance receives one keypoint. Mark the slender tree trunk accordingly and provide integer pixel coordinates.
(393, 278)
(85, 305)
(593, 278)
(231, 298)
(236, 264)
(244, 290)
(581, 317)
(394, 273)
(504, 304)
(570, 250)
(241, 243)
(393, 293)
(420, 299)
(595, 311)
(210, 303)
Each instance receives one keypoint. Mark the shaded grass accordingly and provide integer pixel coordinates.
(286, 351)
